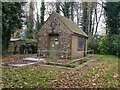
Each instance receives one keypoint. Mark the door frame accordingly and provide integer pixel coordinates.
(48, 40)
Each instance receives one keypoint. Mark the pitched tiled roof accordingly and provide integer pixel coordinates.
(71, 25)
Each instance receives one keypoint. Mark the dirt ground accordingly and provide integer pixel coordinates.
(18, 59)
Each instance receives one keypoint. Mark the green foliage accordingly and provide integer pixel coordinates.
(110, 45)
(112, 10)
(109, 58)
(66, 9)
(29, 33)
(58, 7)
(11, 20)
(38, 23)
(105, 73)
(85, 18)
(116, 45)
(17, 34)
(42, 9)
(93, 43)
(104, 45)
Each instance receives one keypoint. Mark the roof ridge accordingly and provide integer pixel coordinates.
(71, 25)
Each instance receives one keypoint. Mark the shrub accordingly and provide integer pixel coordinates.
(116, 45)
(93, 43)
(104, 45)
(110, 45)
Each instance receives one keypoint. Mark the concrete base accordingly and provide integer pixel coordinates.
(34, 59)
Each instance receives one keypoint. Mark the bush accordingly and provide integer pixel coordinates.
(116, 45)
(104, 45)
(110, 45)
(93, 43)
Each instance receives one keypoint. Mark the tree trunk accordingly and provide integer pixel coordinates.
(38, 20)
(5, 42)
(98, 19)
(85, 18)
(90, 13)
(77, 17)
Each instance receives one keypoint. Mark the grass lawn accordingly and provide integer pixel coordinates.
(102, 75)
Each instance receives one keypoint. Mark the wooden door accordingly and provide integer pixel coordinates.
(53, 46)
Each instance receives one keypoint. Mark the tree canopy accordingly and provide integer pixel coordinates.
(11, 20)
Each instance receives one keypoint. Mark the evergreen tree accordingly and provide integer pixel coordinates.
(112, 10)
(85, 17)
(58, 7)
(42, 9)
(11, 20)
(112, 43)
(66, 9)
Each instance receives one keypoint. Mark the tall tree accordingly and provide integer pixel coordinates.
(85, 17)
(66, 9)
(49, 8)
(11, 20)
(97, 18)
(111, 42)
(72, 10)
(58, 7)
(90, 18)
(78, 11)
(37, 18)
(42, 9)
(90, 12)
(30, 22)
(0, 28)
(112, 11)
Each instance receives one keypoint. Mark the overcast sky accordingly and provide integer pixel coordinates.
(101, 26)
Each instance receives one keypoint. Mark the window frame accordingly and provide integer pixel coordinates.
(83, 43)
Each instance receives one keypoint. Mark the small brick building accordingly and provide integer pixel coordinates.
(60, 37)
